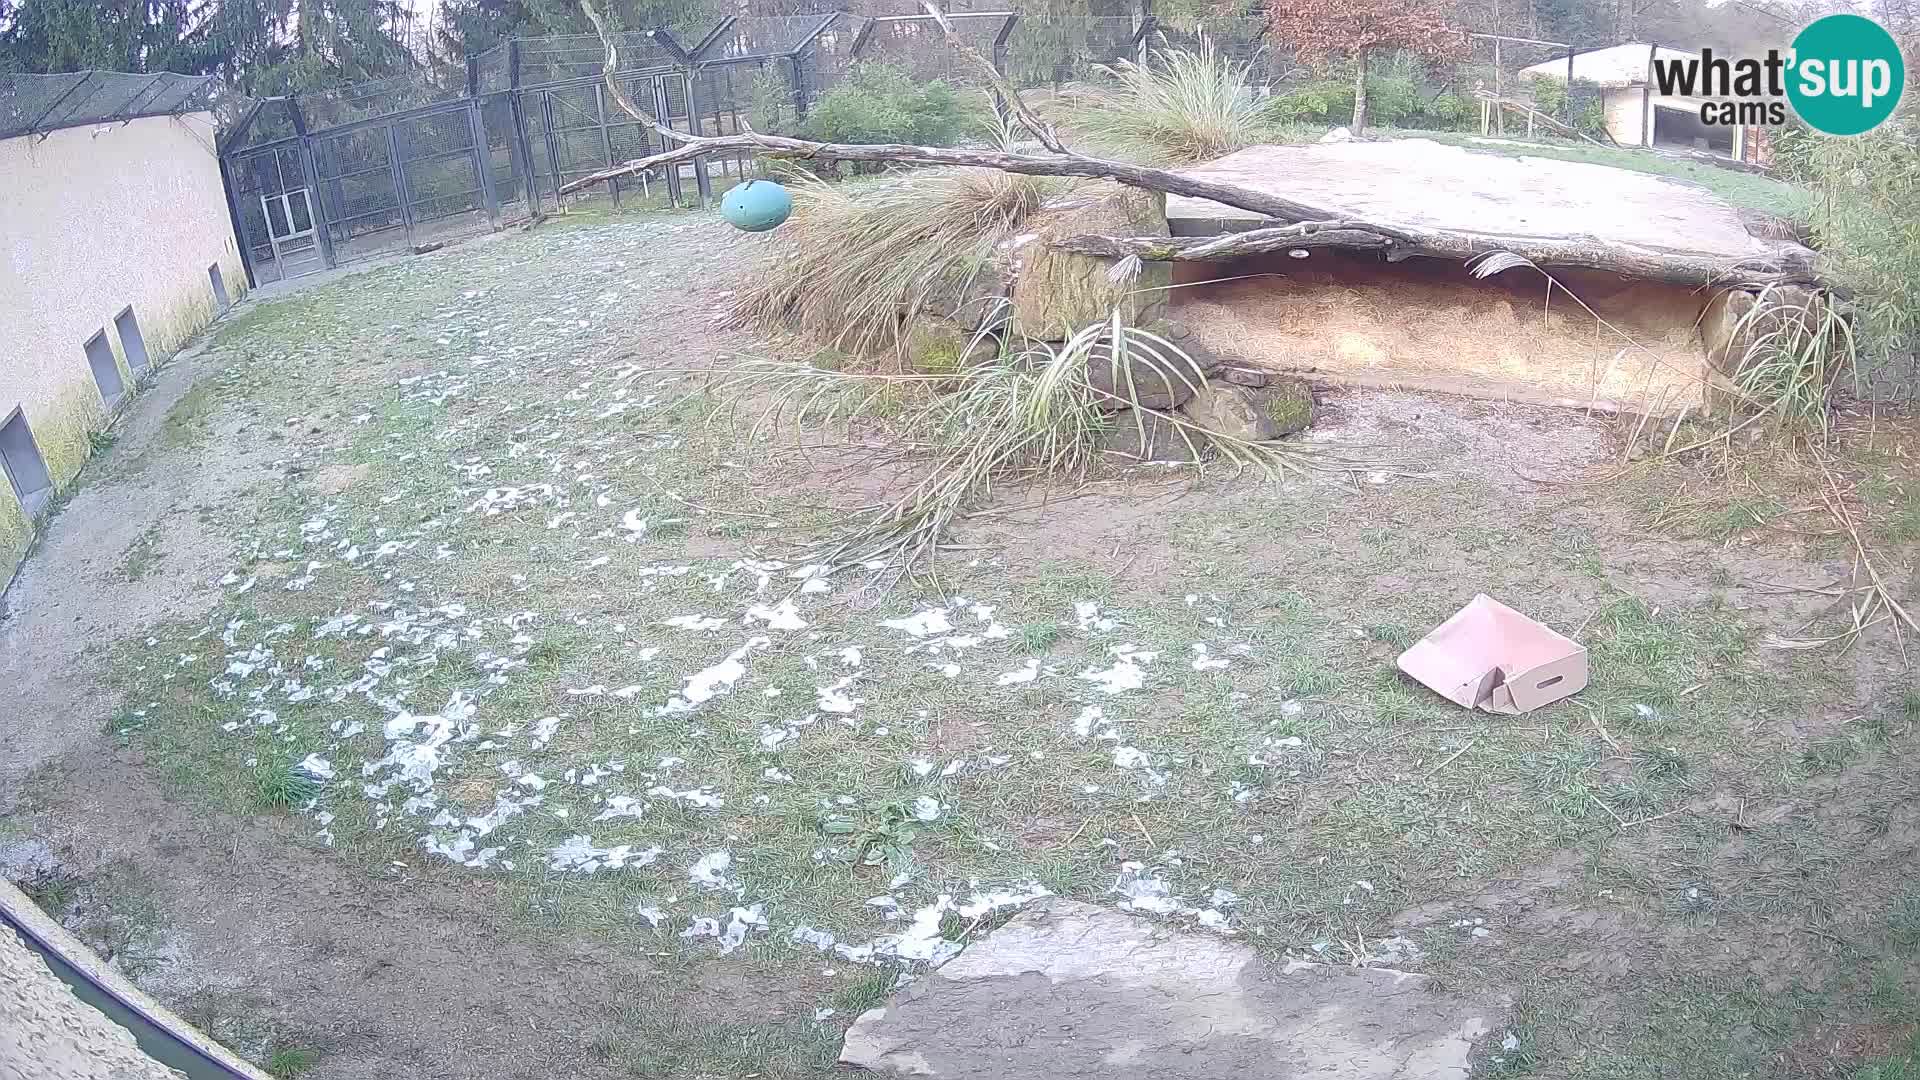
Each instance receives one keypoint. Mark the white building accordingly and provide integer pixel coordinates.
(115, 248)
(1637, 113)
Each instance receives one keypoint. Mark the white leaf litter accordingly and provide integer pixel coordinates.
(708, 683)
(621, 806)
(694, 622)
(921, 941)
(316, 766)
(703, 798)
(1204, 661)
(834, 698)
(1125, 674)
(1145, 891)
(920, 624)
(579, 855)
(1087, 614)
(635, 525)
(781, 616)
(1025, 674)
(710, 872)
(926, 808)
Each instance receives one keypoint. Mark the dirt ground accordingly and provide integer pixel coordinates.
(1699, 867)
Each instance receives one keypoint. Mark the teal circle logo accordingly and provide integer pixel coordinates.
(1846, 75)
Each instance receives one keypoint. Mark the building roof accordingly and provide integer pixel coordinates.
(36, 104)
(1618, 65)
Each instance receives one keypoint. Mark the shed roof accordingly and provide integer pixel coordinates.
(1617, 65)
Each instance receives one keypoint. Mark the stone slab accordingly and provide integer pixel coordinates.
(1068, 990)
(1422, 182)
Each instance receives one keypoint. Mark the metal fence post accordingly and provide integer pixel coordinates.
(483, 161)
(606, 140)
(799, 88)
(1646, 99)
(1571, 121)
(398, 172)
(701, 181)
(239, 227)
(519, 147)
(1000, 43)
(553, 152)
(310, 173)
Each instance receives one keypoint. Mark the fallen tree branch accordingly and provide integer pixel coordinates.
(1304, 226)
(1400, 242)
(1139, 176)
(1062, 162)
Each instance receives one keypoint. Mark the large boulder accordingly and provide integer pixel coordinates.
(1233, 411)
(1057, 292)
(1143, 381)
(1727, 340)
(1282, 406)
(970, 296)
(1146, 435)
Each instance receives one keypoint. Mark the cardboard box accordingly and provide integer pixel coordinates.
(1489, 656)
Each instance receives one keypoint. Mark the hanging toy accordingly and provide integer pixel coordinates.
(756, 206)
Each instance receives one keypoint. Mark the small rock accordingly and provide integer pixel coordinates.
(1143, 382)
(1338, 134)
(1289, 404)
(984, 349)
(1233, 411)
(1245, 376)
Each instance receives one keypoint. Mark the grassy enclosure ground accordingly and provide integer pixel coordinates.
(512, 613)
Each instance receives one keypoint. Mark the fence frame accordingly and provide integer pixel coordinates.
(529, 109)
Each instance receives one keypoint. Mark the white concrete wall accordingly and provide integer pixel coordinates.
(1625, 117)
(1626, 113)
(93, 219)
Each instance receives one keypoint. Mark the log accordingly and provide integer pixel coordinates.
(1788, 265)
(1075, 165)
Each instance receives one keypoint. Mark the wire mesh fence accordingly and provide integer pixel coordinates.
(323, 178)
(36, 104)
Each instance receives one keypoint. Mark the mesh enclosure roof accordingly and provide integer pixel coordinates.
(1055, 50)
(567, 57)
(41, 103)
(381, 97)
(761, 36)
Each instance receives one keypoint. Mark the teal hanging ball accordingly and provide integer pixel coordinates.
(756, 206)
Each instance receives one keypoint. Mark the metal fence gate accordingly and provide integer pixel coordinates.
(408, 163)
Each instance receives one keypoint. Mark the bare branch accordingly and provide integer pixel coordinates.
(1030, 120)
(608, 69)
(1140, 176)
(1790, 264)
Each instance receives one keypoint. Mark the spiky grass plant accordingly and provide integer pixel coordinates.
(1039, 413)
(1799, 347)
(858, 263)
(1178, 107)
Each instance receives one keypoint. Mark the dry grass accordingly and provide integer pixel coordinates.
(1037, 415)
(1182, 107)
(858, 263)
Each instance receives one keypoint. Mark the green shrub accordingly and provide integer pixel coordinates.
(1863, 218)
(1398, 95)
(770, 106)
(880, 103)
